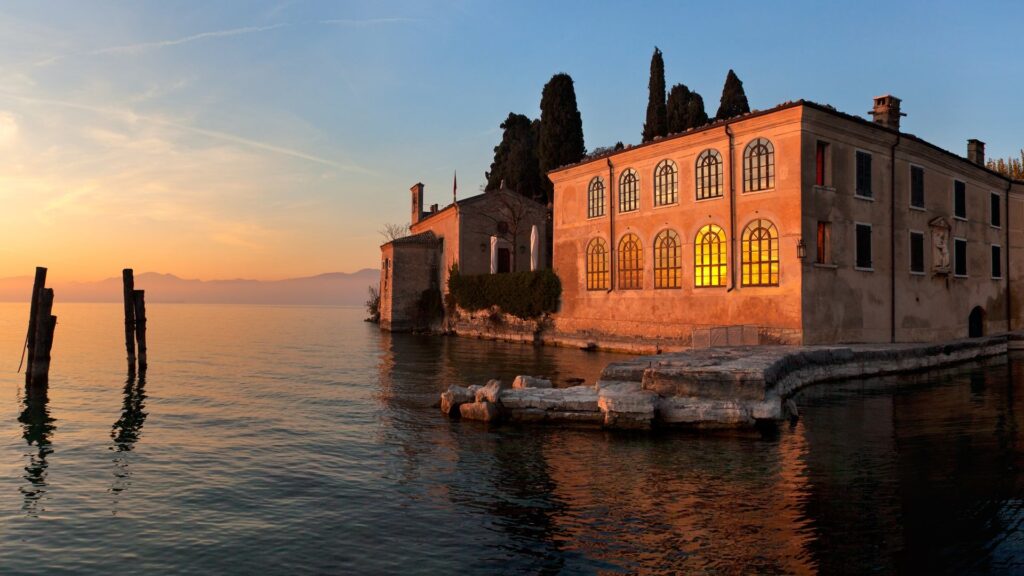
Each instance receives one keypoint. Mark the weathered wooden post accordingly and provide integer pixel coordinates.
(128, 277)
(30, 340)
(45, 325)
(139, 300)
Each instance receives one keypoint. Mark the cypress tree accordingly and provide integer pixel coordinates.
(734, 100)
(560, 134)
(695, 114)
(657, 113)
(685, 109)
(678, 108)
(515, 159)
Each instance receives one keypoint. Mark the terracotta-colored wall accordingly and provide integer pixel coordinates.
(843, 304)
(445, 226)
(676, 313)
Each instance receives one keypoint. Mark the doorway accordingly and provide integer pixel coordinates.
(976, 323)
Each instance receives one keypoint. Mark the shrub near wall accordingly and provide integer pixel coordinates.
(521, 294)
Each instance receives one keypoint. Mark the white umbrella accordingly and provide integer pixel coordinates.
(494, 254)
(534, 249)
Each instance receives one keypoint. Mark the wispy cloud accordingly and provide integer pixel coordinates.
(131, 117)
(366, 22)
(140, 47)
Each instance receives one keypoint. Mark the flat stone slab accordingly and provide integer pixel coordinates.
(707, 387)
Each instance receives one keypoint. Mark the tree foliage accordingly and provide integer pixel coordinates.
(657, 114)
(560, 135)
(373, 305)
(515, 159)
(685, 109)
(734, 100)
(1010, 167)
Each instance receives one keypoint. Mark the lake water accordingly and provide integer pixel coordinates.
(290, 440)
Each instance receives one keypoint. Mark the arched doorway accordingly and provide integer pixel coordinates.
(976, 323)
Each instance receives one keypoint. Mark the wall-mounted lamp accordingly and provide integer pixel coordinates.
(801, 249)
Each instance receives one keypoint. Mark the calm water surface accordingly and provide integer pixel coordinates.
(301, 440)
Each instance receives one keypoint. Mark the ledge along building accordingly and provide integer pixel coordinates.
(498, 231)
(796, 225)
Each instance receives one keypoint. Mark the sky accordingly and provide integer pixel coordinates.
(268, 140)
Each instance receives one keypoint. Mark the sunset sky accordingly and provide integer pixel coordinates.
(273, 139)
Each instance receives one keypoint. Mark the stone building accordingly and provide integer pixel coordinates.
(495, 232)
(798, 224)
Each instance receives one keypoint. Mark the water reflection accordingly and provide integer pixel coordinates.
(915, 474)
(126, 431)
(37, 430)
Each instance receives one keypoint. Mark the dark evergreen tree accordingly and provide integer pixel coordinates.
(515, 159)
(678, 107)
(685, 109)
(695, 114)
(734, 100)
(560, 134)
(657, 113)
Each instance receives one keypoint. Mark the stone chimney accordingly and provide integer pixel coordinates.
(976, 151)
(417, 202)
(887, 111)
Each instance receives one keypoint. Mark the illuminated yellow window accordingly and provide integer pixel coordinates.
(668, 260)
(759, 248)
(597, 265)
(709, 257)
(631, 263)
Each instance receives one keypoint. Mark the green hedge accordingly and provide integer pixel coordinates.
(522, 294)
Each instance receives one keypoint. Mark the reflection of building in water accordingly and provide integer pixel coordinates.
(852, 498)
(960, 454)
(125, 432)
(37, 430)
(919, 480)
(685, 504)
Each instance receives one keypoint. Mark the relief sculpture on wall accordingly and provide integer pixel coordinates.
(940, 245)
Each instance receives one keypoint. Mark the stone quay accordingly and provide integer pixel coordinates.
(707, 388)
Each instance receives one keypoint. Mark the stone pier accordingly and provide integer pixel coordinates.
(709, 387)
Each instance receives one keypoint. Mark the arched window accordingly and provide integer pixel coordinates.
(759, 248)
(709, 257)
(597, 265)
(631, 263)
(668, 260)
(629, 186)
(595, 198)
(709, 174)
(759, 165)
(665, 183)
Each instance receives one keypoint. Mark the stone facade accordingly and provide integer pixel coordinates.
(460, 233)
(791, 189)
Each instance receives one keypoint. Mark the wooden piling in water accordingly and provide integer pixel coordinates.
(128, 278)
(139, 300)
(46, 324)
(30, 339)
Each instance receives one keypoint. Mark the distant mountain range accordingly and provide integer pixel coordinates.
(336, 288)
